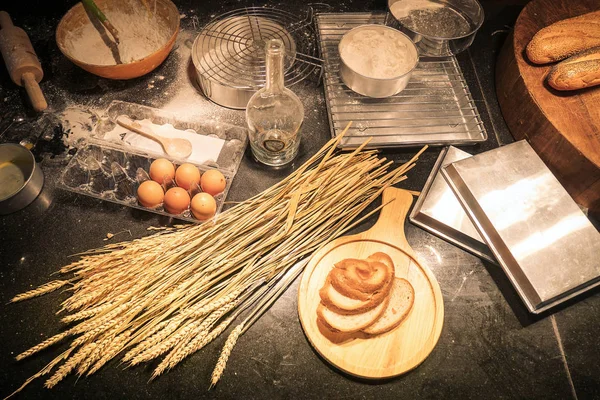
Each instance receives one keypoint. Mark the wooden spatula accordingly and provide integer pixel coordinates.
(175, 147)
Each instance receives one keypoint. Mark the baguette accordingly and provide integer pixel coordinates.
(577, 72)
(565, 38)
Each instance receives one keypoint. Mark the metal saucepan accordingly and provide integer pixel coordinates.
(21, 179)
(439, 28)
(370, 86)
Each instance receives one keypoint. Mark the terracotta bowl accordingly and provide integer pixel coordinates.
(77, 17)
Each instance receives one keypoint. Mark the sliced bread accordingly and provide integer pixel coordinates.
(360, 279)
(342, 304)
(382, 258)
(353, 322)
(401, 300)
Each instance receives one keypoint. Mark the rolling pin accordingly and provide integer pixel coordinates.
(21, 61)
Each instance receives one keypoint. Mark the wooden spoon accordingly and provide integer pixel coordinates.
(175, 147)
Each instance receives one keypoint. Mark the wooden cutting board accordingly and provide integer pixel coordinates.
(403, 348)
(562, 127)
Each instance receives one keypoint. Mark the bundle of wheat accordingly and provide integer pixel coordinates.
(175, 291)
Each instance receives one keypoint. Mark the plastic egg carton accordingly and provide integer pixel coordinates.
(112, 170)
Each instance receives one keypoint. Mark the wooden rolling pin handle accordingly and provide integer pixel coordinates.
(34, 92)
(5, 21)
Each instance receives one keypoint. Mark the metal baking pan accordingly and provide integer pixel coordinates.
(545, 244)
(438, 211)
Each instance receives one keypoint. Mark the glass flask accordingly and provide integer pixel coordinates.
(274, 114)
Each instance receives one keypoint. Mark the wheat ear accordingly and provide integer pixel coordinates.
(96, 354)
(46, 343)
(199, 342)
(177, 354)
(164, 346)
(45, 288)
(69, 365)
(115, 347)
(196, 311)
(154, 336)
(44, 371)
(85, 314)
(225, 353)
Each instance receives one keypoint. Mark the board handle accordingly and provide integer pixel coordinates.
(391, 219)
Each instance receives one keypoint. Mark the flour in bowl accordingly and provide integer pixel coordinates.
(378, 53)
(141, 33)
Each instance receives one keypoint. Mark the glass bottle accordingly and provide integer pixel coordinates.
(274, 114)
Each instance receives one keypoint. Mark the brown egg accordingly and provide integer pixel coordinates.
(162, 169)
(150, 194)
(187, 175)
(177, 200)
(213, 182)
(203, 206)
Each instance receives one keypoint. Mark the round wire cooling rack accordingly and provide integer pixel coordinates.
(229, 55)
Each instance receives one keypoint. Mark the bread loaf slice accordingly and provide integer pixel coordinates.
(353, 322)
(577, 72)
(346, 276)
(342, 304)
(565, 38)
(401, 300)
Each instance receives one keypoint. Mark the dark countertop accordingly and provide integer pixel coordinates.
(489, 347)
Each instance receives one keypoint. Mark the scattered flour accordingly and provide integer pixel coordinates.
(378, 53)
(140, 34)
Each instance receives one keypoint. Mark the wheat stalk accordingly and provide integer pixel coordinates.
(39, 291)
(44, 371)
(46, 343)
(177, 354)
(198, 342)
(85, 314)
(195, 311)
(165, 345)
(69, 365)
(115, 347)
(154, 336)
(225, 353)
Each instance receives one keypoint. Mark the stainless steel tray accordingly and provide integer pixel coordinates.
(436, 108)
(545, 244)
(438, 211)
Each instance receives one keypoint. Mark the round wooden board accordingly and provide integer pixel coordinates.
(403, 348)
(562, 127)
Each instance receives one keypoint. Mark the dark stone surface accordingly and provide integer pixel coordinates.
(489, 347)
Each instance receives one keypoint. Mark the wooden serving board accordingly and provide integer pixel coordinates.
(562, 127)
(403, 348)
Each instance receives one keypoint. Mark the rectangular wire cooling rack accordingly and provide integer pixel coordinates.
(435, 108)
